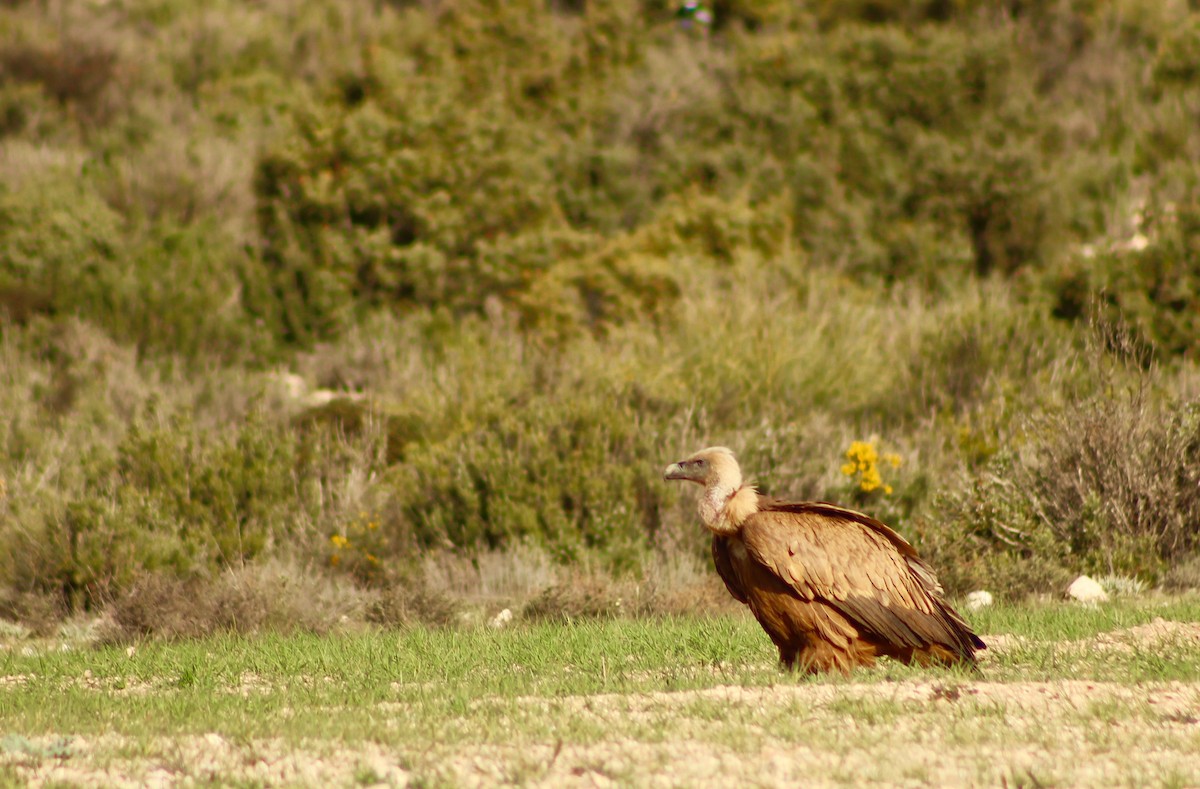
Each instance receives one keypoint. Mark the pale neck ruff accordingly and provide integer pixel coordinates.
(724, 509)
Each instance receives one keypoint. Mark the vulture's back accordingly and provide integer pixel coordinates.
(823, 580)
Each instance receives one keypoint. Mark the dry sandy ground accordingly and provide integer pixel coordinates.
(910, 733)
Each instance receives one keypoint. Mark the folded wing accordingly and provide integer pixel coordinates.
(861, 568)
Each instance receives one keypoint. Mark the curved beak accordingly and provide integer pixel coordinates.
(674, 471)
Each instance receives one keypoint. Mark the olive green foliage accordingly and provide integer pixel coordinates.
(168, 497)
(65, 251)
(568, 472)
(1151, 281)
(345, 287)
(1111, 486)
(901, 150)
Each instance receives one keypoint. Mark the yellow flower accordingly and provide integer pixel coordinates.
(870, 480)
(863, 453)
(863, 459)
(334, 560)
(339, 541)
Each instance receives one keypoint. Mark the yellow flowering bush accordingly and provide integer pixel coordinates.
(862, 464)
(358, 546)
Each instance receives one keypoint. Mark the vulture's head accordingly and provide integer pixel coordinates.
(714, 467)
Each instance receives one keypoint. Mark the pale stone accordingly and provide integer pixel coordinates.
(979, 599)
(1086, 590)
(501, 619)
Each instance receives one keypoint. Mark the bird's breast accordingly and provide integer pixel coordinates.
(737, 550)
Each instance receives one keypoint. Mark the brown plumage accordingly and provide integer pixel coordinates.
(833, 588)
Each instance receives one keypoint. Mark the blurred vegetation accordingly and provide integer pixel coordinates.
(349, 285)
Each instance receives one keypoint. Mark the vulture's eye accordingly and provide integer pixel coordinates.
(701, 463)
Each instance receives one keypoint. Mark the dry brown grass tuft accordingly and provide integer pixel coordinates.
(1122, 476)
(1108, 484)
(414, 605)
(491, 577)
(587, 597)
(41, 614)
(274, 596)
(1183, 576)
(667, 587)
(74, 72)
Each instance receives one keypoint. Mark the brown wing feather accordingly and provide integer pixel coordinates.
(861, 568)
(725, 569)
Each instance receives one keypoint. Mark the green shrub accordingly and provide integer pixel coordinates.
(568, 474)
(169, 498)
(1177, 61)
(1149, 282)
(395, 204)
(60, 241)
(163, 286)
(1110, 487)
(455, 186)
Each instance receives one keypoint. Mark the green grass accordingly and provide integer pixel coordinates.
(516, 697)
(195, 686)
(242, 686)
(1053, 622)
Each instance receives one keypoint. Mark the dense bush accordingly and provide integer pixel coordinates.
(1111, 487)
(164, 287)
(80, 74)
(168, 497)
(447, 186)
(60, 248)
(1151, 280)
(571, 474)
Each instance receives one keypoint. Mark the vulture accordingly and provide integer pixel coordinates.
(833, 588)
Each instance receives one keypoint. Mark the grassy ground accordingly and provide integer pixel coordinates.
(1066, 695)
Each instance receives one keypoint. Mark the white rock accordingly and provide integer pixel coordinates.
(293, 386)
(319, 397)
(979, 599)
(501, 619)
(1085, 590)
